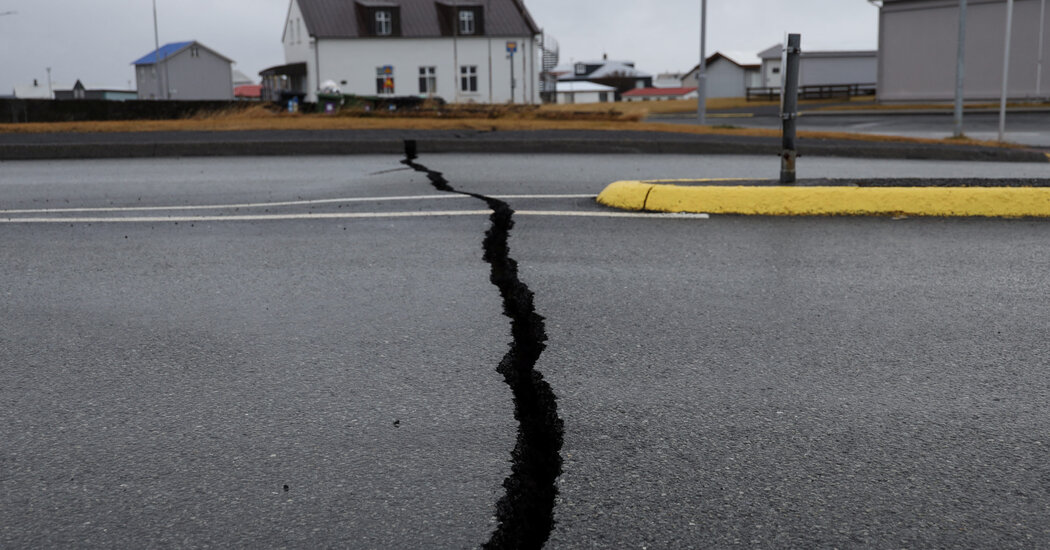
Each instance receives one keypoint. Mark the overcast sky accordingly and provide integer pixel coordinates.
(96, 40)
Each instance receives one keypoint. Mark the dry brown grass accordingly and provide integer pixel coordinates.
(263, 118)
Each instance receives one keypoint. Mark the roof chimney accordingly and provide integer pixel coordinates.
(35, 83)
(605, 57)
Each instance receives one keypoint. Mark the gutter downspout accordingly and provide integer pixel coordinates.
(317, 66)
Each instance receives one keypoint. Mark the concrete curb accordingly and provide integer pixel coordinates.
(999, 202)
(115, 146)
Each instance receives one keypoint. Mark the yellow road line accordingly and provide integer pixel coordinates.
(1006, 202)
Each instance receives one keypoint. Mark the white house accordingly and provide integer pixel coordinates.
(725, 77)
(464, 51)
(584, 92)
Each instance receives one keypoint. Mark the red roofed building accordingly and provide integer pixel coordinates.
(248, 91)
(659, 94)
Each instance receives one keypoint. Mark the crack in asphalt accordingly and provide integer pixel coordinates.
(525, 513)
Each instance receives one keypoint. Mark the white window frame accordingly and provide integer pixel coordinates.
(466, 22)
(468, 79)
(428, 80)
(384, 22)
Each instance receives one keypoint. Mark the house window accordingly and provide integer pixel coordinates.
(195, 51)
(581, 69)
(427, 80)
(468, 78)
(776, 70)
(385, 80)
(603, 97)
(466, 22)
(384, 23)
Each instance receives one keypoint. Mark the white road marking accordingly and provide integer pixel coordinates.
(247, 205)
(348, 216)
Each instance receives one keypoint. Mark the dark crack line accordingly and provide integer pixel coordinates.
(525, 513)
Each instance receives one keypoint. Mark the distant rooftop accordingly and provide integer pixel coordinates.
(164, 52)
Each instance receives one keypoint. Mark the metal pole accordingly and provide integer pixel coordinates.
(488, 9)
(1039, 63)
(156, 52)
(50, 90)
(456, 69)
(960, 71)
(701, 71)
(1006, 68)
(512, 77)
(789, 108)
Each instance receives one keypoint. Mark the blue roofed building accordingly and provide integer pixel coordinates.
(184, 71)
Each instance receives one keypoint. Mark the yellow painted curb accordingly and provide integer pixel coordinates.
(1006, 202)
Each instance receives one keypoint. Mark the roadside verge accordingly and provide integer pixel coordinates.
(850, 199)
(56, 146)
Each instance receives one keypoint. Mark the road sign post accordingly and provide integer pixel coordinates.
(789, 107)
(512, 47)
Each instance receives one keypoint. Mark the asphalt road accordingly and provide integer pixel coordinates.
(322, 377)
(1026, 128)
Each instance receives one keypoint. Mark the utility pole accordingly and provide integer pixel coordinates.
(960, 71)
(50, 90)
(701, 71)
(1006, 68)
(156, 53)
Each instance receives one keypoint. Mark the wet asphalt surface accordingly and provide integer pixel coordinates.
(723, 382)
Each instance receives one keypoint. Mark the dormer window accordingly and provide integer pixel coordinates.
(581, 69)
(466, 22)
(384, 23)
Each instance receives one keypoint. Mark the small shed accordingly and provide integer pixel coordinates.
(184, 71)
(725, 76)
(584, 92)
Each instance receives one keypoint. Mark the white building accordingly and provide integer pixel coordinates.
(822, 67)
(464, 51)
(36, 90)
(584, 92)
(725, 77)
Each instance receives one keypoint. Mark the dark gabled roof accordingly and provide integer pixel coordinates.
(419, 18)
(719, 55)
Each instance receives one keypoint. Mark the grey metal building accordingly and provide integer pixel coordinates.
(184, 71)
(918, 41)
(817, 68)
